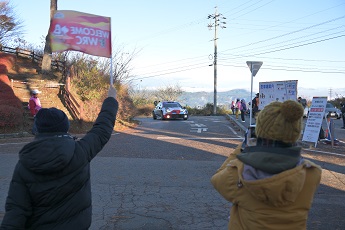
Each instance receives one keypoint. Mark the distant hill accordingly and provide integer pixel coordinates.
(200, 99)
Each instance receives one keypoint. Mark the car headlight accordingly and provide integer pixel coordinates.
(168, 110)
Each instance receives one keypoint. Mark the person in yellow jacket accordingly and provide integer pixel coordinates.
(270, 185)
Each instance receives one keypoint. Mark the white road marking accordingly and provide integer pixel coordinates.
(197, 138)
(329, 153)
(198, 125)
(233, 131)
(198, 130)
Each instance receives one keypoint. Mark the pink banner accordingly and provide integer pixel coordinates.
(88, 33)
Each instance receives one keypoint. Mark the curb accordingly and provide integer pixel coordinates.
(238, 123)
(13, 135)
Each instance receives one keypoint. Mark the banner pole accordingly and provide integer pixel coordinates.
(111, 71)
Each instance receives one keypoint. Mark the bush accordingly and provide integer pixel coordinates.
(10, 116)
(11, 109)
(207, 110)
(7, 61)
(145, 110)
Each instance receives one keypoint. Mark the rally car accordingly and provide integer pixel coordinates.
(169, 110)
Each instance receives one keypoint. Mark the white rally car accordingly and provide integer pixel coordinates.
(169, 110)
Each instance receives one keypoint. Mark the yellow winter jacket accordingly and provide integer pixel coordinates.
(267, 201)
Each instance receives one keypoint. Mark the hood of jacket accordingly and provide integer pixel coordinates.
(273, 178)
(48, 153)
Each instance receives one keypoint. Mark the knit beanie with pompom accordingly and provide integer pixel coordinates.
(280, 121)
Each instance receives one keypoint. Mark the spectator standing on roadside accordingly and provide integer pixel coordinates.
(34, 106)
(270, 185)
(302, 101)
(342, 109)
(34, 102)
(233, 107)
(243, 110)
(255, 105)
(237, 107)
(50, 187)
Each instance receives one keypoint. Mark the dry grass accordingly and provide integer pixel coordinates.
(26, 76)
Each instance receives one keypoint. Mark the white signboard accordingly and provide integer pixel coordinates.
(276, 91)
(314, 121)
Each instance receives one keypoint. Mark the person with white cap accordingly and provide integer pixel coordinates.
(34, 106)
(34, 102)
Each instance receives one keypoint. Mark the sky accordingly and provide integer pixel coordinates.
(295, 40)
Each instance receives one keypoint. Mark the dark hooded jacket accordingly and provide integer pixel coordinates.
(50, 187)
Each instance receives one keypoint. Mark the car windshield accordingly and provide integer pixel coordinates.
(329, 105)
(171, 105)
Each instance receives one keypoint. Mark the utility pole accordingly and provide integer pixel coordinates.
(217, 22)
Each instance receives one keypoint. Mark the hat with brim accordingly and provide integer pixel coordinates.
(35, 91)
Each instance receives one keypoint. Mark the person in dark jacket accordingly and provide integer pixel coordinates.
(50, 187)
(342, 109)
(243, 109)
(255, 105)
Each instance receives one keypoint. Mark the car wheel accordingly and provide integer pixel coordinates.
(154, 116)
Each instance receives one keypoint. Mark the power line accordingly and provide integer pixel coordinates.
(286, 34)
(285, 42)
(305, 44)
(292, 70)
(176, 71)
(285, 59)
(297, 19)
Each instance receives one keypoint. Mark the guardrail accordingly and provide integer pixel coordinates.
(75, 107)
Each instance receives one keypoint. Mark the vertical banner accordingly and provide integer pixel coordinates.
(88, 33)
(276, 91)
(314, 121)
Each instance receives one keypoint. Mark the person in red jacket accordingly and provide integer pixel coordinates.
(34, 106)
(34, 102)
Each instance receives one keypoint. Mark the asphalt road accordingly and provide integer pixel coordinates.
(157, 176)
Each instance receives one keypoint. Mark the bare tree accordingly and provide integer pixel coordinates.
(47, 59)
(169, 93)
(10, 25)
(121, 65)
